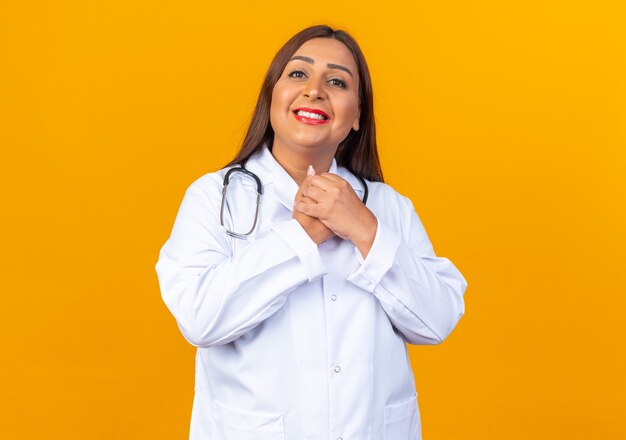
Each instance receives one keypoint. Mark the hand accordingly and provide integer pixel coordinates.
(332, 200)
(318, 232)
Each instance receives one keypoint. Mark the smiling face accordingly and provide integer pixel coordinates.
(315, 103)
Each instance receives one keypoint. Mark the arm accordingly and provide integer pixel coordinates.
(421, 293)
(216, 297)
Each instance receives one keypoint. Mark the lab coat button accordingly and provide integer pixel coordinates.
(337, 369)
(333, 297)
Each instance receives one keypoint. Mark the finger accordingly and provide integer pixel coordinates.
(310, 209)
(300, 197)
(339, 182)
(305, 199)
(305, 183)
(333, 177)
(314, 193)
(329, 181)
(323, 183)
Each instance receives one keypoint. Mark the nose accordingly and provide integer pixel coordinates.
(313, 89)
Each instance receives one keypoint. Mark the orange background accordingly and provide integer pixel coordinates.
(505, 122)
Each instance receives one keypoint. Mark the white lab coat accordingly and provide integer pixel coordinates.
(298, 341)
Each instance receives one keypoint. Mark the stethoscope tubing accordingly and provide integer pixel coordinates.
(242, 169)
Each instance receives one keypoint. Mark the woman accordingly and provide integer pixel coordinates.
(301, 310)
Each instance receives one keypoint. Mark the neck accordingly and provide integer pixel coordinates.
(296, 160)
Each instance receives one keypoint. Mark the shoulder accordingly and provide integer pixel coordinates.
(397, 212)
(211, 184)
(208, 185)
(380, 195)
(204, 194)
(385, 194)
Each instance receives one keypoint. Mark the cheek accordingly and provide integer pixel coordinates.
(275, 101)
(278, 107)
(350, 110)
(280, 98)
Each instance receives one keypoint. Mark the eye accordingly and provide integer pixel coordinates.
(338, 82)
(297, 74)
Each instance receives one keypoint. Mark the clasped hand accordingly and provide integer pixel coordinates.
(326, 205)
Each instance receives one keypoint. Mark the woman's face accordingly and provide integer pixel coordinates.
(315, 102)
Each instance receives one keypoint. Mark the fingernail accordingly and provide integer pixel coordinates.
(310, 171)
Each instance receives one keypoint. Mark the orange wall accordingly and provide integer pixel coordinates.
(504, 121)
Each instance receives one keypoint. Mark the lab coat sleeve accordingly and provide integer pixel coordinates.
(421, 293)
(216, 297)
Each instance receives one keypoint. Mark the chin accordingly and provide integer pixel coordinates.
(308, 141)
(317, 146)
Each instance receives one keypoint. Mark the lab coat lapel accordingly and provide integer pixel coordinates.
(354, 182)
(261, 163)
(285, 188)
(276, 182)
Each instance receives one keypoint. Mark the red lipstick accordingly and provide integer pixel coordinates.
(309, 119)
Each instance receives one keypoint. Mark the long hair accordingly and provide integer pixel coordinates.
(358, 151)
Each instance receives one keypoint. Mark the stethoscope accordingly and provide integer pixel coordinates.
(259, 193)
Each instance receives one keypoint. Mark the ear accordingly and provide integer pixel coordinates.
(355, 125)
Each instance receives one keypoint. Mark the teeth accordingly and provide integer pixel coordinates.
(310, 115)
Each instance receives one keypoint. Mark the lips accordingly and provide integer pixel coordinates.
(311, 116)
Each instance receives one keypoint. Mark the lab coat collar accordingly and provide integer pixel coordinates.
(278, 183)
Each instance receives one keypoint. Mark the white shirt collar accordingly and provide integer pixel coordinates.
(283, 187)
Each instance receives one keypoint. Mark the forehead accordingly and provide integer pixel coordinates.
(328, 50)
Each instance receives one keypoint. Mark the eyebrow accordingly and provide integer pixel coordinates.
(330, 65)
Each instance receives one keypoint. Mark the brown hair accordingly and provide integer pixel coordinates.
(357, 152)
